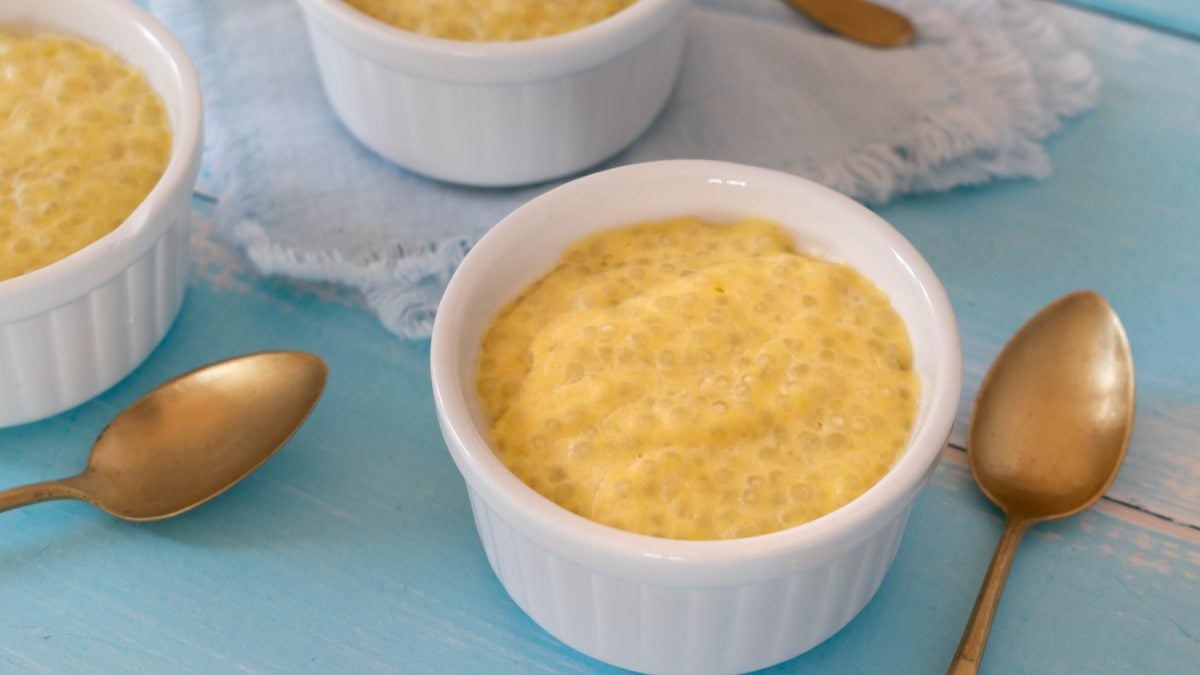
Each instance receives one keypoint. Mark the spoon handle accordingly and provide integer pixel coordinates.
(33, 493)
(975, 635)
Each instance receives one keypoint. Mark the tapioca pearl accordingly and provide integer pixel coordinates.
(636, 272)
(679, 415)
(625, 356)
(648, 486)
(800, 493)
(851, 362)
(584, 298)
(765, 419)
(554, 474)
(622, 488)
(21, 245)
(797, 371)
(647, 421)
(667, 358)
(540, 441)
(850, 486)
(667, 240)
(625, 390)
(69, 227)
(766, 361)
(580, 451)
(808, 440)
(722, 382)
(666, 302)
(856, 460)
(770, 454)
(681, 510)
(574, 417)
(835, 441)
(742, 391)
(768, 522)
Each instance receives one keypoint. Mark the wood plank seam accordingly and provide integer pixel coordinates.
(1190, 531)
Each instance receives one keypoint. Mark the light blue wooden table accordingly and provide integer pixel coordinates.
(353, 550)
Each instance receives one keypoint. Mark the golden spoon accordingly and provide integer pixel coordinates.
(190, 439)
(1048, 433)
(859, 20)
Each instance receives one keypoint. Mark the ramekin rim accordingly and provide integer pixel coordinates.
(596, 32)
(492, 62)
(60, 281)
(897, 485)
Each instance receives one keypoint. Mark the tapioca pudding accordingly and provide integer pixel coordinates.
(490, 20)
(698, 380)
(83, 140)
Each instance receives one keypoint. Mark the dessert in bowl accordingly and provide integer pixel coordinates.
(490, 20)
(698, 380)
(86, 139)
(497, 112)
(660, 604)
(95, 242)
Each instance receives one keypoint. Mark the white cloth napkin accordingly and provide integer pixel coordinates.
(986, 82)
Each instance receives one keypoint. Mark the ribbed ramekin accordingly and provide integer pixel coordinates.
(499, 113)
(72, 329)
(660, 605)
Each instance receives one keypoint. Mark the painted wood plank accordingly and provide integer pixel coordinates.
(1118, 215)
(1178, 16)
(354, 550)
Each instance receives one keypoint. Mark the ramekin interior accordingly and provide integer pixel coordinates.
(135, 36)
(494, 62)
(526, 244)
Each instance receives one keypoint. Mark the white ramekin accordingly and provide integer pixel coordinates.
(72, 329)
(662, 605)
(499, 113)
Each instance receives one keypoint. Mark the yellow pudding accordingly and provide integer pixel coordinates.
(698, 380)
(490, 20)
(83, 139)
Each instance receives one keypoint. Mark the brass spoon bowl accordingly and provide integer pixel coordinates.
(1048, 433)
(859, 20)
(192, 438)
